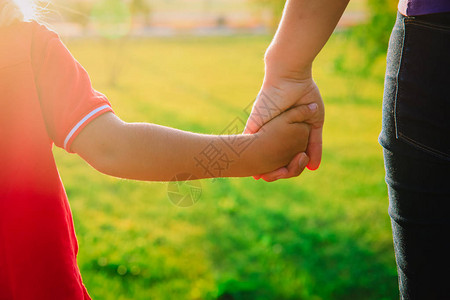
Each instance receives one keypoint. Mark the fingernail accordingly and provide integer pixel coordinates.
(312, 106)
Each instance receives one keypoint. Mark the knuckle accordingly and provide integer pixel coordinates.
(299, 112)
(303, 109)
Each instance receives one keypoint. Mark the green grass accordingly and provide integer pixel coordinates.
(324, 235)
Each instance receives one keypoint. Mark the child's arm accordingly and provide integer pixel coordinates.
(151, 152)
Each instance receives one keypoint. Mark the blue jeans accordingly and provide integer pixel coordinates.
(416, 141)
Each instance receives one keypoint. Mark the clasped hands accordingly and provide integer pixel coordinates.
(288, 114)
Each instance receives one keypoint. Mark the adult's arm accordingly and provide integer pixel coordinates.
(305, 27)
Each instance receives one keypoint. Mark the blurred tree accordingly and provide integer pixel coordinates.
(82, 11)
(111, 18)
(85, 12)
(77, 12)
(274, 6)
(374, 35)
(140, 8)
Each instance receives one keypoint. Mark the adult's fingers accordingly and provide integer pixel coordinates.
(314, 148)
(252, 126)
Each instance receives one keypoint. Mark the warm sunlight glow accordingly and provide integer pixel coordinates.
(27, 7)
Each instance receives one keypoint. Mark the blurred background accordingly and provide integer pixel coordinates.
(196, 65)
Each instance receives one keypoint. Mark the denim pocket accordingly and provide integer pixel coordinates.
(422, 110)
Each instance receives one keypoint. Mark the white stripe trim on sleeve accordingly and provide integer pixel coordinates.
(82, 121)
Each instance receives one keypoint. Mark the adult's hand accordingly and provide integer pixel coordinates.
(304, 29)
(278, 95)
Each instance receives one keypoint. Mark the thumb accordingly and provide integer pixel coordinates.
(301, 113)
(264, 109)
(251, 126)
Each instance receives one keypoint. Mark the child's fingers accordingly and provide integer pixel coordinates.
(275, 175)
(297, 165)
(294, 169)
(301, 113)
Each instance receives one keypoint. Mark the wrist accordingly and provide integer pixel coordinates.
(279, 65)
(286, 91)
(259, 157)
(249, 161)
(236, 155)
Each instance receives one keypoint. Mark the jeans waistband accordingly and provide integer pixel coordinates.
(439, 19)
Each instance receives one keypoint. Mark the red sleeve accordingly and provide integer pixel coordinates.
(68, 101)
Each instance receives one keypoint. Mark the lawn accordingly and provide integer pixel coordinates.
(324, 235)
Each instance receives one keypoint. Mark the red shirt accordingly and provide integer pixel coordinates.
(46, 98)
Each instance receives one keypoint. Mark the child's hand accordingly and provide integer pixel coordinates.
(283, 138)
